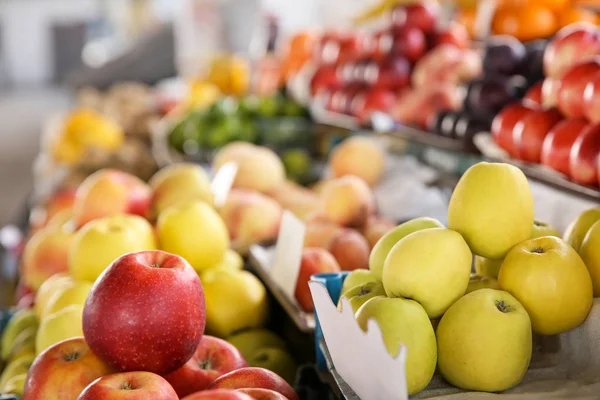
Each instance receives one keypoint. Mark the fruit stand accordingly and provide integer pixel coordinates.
(403, 207)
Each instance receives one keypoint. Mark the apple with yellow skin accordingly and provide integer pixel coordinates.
(359, 295)
(50, 286)
(590, 254)
(541, 229)
(73, 294)
(492, 208)
(194, 231)
(231, 260)
(404, 322)
(551, 281)
(579, 228)
(484, 342)
(62, 325)
(103, 240)
(486, 267)
(431, 266)
(385, 244)
(250, 341)
(481, 282)
(356, 278)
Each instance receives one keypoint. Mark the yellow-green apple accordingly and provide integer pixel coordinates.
(249, 341)
(251, 217)
(108, 192)
(577, 230)
(62, 325)
(484, 341)
(101, 241)
(62, 371)
(73, 294)
(213, 358)
(138, 385)
(590, 253)
(254, 377)
(231, 260)
(482, 282)
(314, 260)
(359, 156)
(404, 322)
(551, 281)
(350, 249)
(235, 300)
(48, 288)
(155, 304)
(176, 183)
(385, 244)
(486, 267)
(218, 394)
(262, 394)
(356, 278)
(348, 201)
(15, 385)
(195, 231)
(45, 254)
(431, 266)
(541, 229)
(492, 208)
(358, 295)
(276, 360)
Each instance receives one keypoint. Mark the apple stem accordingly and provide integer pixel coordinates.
(71, 356)
(537, 250)
(503, 307)
(154, 266)
(127, 386)
(205, 364)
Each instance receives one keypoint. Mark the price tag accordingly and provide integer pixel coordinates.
(288, 253)
(222, 183)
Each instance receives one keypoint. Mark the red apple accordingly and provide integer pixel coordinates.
(146, 312)
(355, 45)
(583, 160)
(262, 394)
(434, 98)
(252, 377)
(376, 99)
(394, 73)
(557, 145)
(218, 394)
(213, 358)
(409, 42)
(572, 86)
(529, 133)
(572, 44)
(504, 124)
(382, 44)
(350, 249)
(314, 261)
(325, 78)
(591, 99)
(455, 34)
(138, 385)
(550, 89)
(423, 15)
(62, 371)
(533, 97)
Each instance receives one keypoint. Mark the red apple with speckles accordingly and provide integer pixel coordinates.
(262, 394)
(572, 87)
(423, 15)
(314, 260)
(138, 385)
(570, 45)
(533, 97)
(591, 99)
(218, 394)
(583, 160)
(146, 312)
(409, 42)
(213, 358)
(529, 133)
(63, 370)
(557, 145)
(253, 377)
(504, 124)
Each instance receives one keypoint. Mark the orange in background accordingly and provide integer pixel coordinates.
(528, 22)
(576, 14)
(298, 51)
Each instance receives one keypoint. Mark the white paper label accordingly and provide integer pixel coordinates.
(222, 183)
(288, 253)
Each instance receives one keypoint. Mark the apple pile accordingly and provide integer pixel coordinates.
(420, 290)
(557, 122)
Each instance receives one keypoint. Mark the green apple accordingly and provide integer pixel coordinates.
(492, 207)
(387, 241)
(357, 296)
(484, 341)
(251, 340)
(541, 229)
(481, 282)
(577, 230)
(404, 322)
(486, 267)
(356, 278)
(590, 254)
(276, 360)
(432, 266)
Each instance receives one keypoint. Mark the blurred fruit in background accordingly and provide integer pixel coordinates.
(201, 95)
(230, 73)
(299, 50)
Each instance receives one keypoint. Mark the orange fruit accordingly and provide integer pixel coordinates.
(528, 22)
(554, 5)
(576, 14)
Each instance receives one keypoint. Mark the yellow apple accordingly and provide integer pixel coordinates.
(577, 230)
(359, 295)
(48, 288)
(194, 231)
(550, 280)
(484, 342)
(74, 294)
(231, 260)
(235, 300)
(356, 278)
(385, 244)
(249, 341)
(590, 254)
(541, 229)
(431, 266)
(62, 325)
(492, 207)
(404, 322)
(486, 267)
(482, 282)
(103, 240)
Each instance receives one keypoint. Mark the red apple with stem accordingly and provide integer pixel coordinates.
(213, 358)
(138, 385)
(218, 394)
(314, 261)
(571, 45)
(529, 133)
(252, 377)
(583, 160)
(556, 148)
(423, 15)
(262, 394)
(572, 87)
(146, 312)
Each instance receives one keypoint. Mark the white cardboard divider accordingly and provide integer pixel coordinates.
(360, 358)
(286, 261)
(483, 18)
(222, 183)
